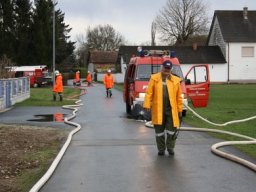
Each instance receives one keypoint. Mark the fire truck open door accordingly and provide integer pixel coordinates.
(197, 82)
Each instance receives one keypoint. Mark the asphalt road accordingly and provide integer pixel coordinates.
(112, 153)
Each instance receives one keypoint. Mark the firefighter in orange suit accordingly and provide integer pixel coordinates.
(89, 78)
(58, 86)
(163, 98)
(77, 78)
(108, 81)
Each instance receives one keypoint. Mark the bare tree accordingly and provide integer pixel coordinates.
(104, 38)
(179, 19)
(5, 67)
(82, 50)
(153, 34)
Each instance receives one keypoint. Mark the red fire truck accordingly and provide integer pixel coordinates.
(195, 85)
(38, 74)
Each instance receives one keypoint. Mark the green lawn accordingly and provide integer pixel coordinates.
(44, 97)
(228, 103)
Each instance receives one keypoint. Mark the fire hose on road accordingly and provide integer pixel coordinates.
(40, 183)
(58, 158)
(214, 148)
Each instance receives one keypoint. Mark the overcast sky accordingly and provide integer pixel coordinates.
(131, 18)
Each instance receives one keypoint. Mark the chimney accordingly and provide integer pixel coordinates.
(194, 45)
(245, 13)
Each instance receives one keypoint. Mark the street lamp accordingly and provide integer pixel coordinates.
(1, 15)
(53, 41)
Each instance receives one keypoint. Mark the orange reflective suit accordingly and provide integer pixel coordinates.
(77, 76)
(58, 86)
(89, 78)
(108, 81)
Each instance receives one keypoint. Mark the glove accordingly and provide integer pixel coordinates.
(180, 117)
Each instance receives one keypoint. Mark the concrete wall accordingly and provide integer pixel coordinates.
(13, 91)
(118, 77)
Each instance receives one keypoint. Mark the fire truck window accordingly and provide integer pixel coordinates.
(19, 74)
(197, 75)
(144, 71)
(176, 70)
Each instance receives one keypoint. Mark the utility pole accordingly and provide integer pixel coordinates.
(53, 42)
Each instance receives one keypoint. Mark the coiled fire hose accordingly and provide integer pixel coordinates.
(214, 148)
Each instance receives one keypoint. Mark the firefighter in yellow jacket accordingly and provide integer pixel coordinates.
(163, 98)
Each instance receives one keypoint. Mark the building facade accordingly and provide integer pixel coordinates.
(235, 33)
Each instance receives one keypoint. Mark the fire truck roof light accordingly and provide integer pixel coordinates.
(159, 53)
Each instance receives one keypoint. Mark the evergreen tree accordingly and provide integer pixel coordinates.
(42, 33)
(43, 37)
(23, 52)
(26, 33)
(64, 47)
(7, 24)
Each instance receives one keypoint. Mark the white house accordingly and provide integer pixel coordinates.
(230, 51)
(235, 33)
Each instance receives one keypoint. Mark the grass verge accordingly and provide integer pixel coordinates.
(32, 151)
(32, 164)
(29, 177)
(228, 103)
(44, 97)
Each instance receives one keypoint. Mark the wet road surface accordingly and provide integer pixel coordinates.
(36, 116)
(112, 153)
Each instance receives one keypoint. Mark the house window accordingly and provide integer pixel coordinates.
(247, 51)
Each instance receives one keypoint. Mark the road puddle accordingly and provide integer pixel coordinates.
(56, 117)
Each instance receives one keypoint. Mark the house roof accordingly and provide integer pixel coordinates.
(234, 27)
(103, 57)
(186, 54)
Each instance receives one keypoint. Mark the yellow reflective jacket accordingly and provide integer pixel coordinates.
(154, 98)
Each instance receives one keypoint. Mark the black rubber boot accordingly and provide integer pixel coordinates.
(160, 153)
(171, 151)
